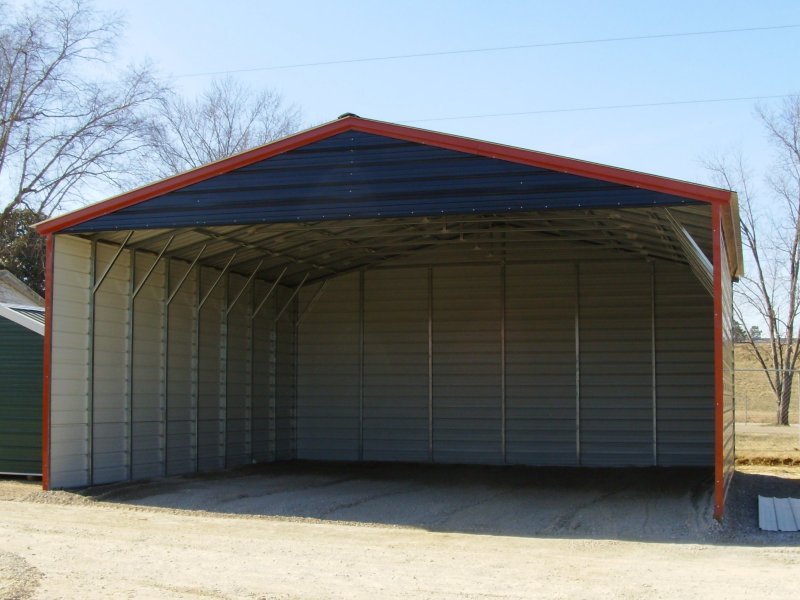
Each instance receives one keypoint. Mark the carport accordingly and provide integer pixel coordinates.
(364, 291)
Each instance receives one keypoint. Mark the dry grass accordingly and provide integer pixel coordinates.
(755, 401)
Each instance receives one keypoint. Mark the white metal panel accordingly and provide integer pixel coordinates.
(395, 425)
(684, 367)
(541, 391)
(111, 401)
(69, 390)
(467, 364)
(328, 382)
(238, 380)
(616, 393)
(211, 408)
(148, 371)
(264, 382)
(181, 351)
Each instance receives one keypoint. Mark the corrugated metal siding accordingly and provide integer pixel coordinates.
(69, 389)
(466, 364)
(21, 352)
(615, 335)
(396, 365)
(356, 175)
(728, 408)
(111, 401)
(148, 371)
(181, 372)
(211, 408)
(264, 376)
(239, 399)
(616, 327)
(285, 378)
(328, 386)
(685, 367)
(540, 364)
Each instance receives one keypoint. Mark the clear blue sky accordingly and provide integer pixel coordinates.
(200, 36)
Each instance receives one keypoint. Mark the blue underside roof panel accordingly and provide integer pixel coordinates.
(356, 175)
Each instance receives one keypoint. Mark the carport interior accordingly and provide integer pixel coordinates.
(578, 337)
(354, 296)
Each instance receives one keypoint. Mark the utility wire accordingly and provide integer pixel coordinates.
(603, 107)
(489, 49)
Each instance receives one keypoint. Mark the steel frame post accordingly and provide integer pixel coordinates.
(90, 387)
(129, 352)
(430, 364)
(654, 363)
(195, 365)
(250, 377)
(361, 365)
(165, 366)
(503, 410)
(578, 362)
(222, 407)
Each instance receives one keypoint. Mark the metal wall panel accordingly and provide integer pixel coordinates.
(541, 389)
(148, 364)
(21, 352)
(395, 359)
(467, 364)
(238, 394)
(69, 389)
(182, 356)
(263, 376)
(285, 374)
(616, 416)
(328, 381)
(211, 408)
(685, 367)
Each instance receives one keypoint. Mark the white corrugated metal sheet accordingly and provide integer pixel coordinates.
(779, 514)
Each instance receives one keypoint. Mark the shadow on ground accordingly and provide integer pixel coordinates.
(624, 504)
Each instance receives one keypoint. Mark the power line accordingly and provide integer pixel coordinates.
(602, 107)
(488, 49)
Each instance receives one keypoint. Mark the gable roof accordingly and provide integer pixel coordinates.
(14, 291)
(29, 317)
(634, 179)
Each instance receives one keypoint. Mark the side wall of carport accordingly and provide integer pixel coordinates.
(591, 361)
(139, 390)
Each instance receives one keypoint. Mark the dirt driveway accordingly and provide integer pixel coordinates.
(344, 531)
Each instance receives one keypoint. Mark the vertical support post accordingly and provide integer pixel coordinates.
(272, 412)
(430, 364)
(165, 368)
(503, 437)
(129, 353)
(195, 403)
(361, 365)
(295, 379)
(47, 365)
(90, 388)
(578, 363)
(251, 379)
(222, 410)
(719, 449)
(653, 362)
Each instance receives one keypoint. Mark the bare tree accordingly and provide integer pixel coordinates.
(227, 118)
(770, 292)
(62, 132)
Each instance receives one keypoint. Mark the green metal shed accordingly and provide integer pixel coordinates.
(21, 354)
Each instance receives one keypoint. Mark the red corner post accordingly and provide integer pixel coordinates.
(48, 337)
(719, 382)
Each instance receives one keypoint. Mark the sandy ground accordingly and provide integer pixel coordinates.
(373, 531)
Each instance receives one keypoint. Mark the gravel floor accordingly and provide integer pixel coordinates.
(398, 531)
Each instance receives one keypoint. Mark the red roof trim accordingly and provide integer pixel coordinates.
(553, 162)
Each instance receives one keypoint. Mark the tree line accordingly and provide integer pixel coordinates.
(74, 123)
